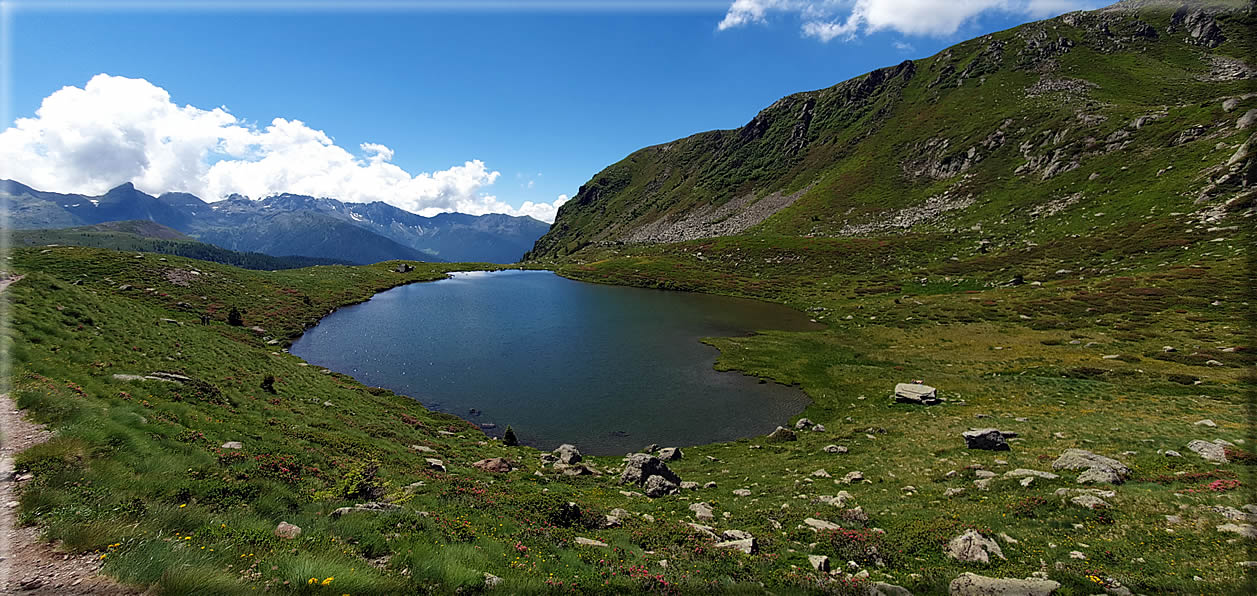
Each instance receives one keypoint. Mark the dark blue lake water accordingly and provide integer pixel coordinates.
(608, 368)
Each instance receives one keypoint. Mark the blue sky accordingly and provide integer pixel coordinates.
(546, 95)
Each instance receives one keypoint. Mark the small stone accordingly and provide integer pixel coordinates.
(702, 511)
(589, 542)
(287, 531)
(990, 439)
(819, 562)
(1245, 530)
(741, 492)
(1089, 501)
(233, 445)
(1213, 452)
(746, 546)
(837, 449)
(1206, 423)
(567, 454)
(972, 547)
(969, 584)
(820, 524)
(782, 433)
(670, 454)
(491, 581)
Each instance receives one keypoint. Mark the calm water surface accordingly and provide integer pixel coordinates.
(608, 368)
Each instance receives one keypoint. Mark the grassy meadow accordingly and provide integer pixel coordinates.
(137, 476)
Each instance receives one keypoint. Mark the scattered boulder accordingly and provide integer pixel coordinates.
(641, 467)
(1096, 468)
(1095, 492)
(706, 531)
(741, 492)
(969, 584)
(803, 423)
(657, 486)
(1089, 501)
(287, 531)
(853, 477)
(688, 485)
(1214, 452)
(589, 542)
(702, 511)
(567, 454)
(372, 507)
(495, 465)
(819, 562)
(885, 589)
(747, 546)
(735, 535)
(990, 439)
(836, 449)
(1207, 423)
(435, 463)
(491, 581)
(1024, 473)
(233, 445)
(1245, 530)
(972, 547)
(820, 524)
(916, 393)
(575, 470)
(1201, 27)
(670, 454)
(782, 433)
(1248, 119)
(951, 492)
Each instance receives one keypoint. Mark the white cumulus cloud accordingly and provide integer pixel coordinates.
(117, 129)
(826, 20)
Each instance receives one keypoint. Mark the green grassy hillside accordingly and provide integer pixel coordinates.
(1015, 136)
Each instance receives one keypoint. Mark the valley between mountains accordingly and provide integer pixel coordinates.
(1030, 255)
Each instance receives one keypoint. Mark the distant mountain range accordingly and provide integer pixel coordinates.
(144, 235)
(287, 224)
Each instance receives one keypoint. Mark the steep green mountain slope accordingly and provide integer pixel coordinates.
(1139, 109)
(149, 236)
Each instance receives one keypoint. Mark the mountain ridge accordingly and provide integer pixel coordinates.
(997, 123)
(287, 224)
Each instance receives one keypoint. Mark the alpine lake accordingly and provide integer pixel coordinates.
(607, 368)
